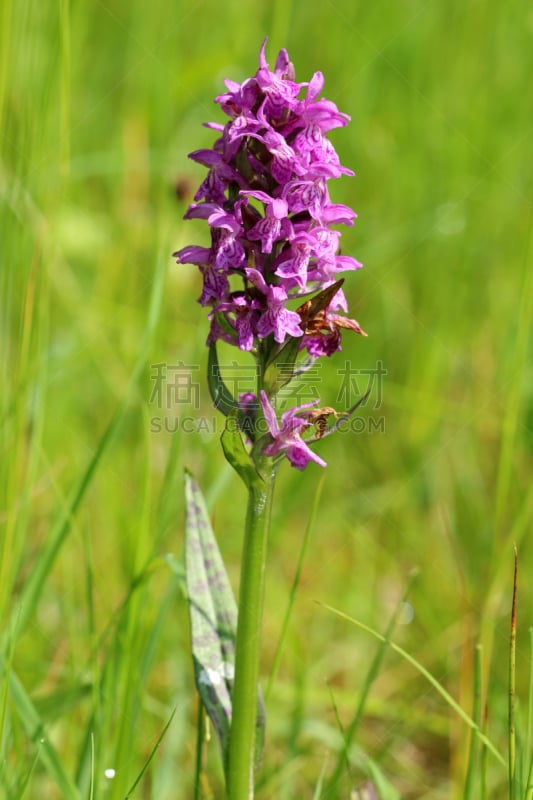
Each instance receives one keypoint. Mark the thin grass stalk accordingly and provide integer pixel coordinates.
(512, 689)
(427, 675)
(529, 785)
(65, 49)
(5, 53)
(367, 684)
(34, 585)
(483, 794)
(36, 732)
(320, 783)
(91, 785)
(248, 645)
(515, 397)
(130, 793)
(529, 781)
(26, 780)
(511, 419)
(476, 716)
(344, 759)
(200, 728)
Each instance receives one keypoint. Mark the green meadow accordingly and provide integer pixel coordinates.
(104, 403)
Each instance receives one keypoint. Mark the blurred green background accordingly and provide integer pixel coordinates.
(99, 105)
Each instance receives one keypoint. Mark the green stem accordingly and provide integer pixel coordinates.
(512, 688)
(199, 749)
(244, 698)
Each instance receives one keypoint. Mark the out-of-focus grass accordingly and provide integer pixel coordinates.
(99, 105)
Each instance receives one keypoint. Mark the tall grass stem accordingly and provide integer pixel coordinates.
(528, 755)
(512, 688)
(476, 716)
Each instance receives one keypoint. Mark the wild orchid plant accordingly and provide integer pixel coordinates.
(270, 282)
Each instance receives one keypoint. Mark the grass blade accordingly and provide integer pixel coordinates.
(512, 688)
(37, 577)
(483, 794)
(200, 735)
(369, 680)
(35, 729)
(150, 757)
(529, 781)
(429, 677)
(317, 794)
(476, 715)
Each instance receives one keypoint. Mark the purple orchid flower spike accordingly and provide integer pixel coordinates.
(274, 228)
(272, 288)
(268, 207)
